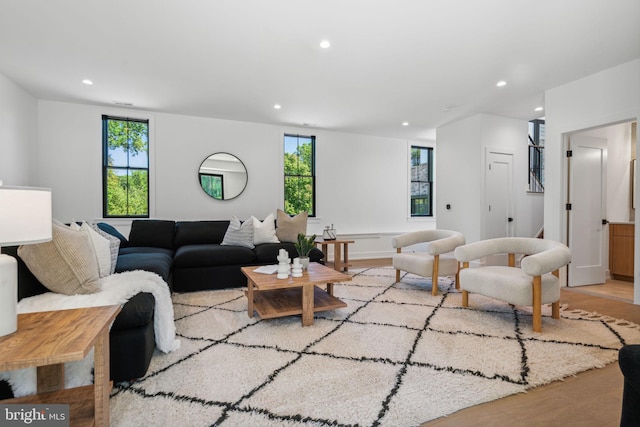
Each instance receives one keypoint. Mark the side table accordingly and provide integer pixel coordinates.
(48, 339)
(340, 252)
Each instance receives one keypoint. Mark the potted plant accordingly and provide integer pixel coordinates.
(304, 246)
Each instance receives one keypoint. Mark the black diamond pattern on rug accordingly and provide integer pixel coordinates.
(395, 356)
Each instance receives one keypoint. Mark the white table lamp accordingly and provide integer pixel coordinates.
(25, 217)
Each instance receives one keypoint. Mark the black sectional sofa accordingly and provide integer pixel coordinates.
(199, 261)
(187, 255)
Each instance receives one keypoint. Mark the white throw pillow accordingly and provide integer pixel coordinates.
(265, 231)
(114, 245)
(239, 234)
(101, 247)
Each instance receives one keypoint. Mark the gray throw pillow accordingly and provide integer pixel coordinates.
(239, 234)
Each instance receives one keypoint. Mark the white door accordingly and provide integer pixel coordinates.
(499, 195)
(587, 196)
(498, 200)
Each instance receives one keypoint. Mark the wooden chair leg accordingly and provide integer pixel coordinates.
(465, 299)
(434, 276)
(458, 277)
(397, 276)
(537, 304)
(555, 310)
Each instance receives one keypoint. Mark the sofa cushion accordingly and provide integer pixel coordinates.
(28, 284)
(212, 255)
(138, 311)
(145, 250)
(159, 263)
(66, 264)
(239, 234)
(108, 228)
(200, 232)
(153, 233)
(289, 227)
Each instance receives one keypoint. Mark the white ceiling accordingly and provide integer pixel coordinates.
(390, 61)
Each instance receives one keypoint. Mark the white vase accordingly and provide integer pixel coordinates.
(304, 260)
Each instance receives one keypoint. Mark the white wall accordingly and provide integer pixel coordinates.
(619, 150)
(18, 134)
(362, 181)
(460, 164)
(459, 177)
(611, 96)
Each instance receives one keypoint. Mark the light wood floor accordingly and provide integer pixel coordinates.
(589, 399)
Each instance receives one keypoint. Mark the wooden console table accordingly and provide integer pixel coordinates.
(48, 339)
(340, 260)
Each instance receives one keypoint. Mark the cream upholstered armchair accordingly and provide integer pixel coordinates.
(534, 283)
(438, 260)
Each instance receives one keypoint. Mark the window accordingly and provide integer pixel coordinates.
(421, 181)
(536, 156)
(125, 167)
(299, 174)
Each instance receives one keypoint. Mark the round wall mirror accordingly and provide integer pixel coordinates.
(222, 176)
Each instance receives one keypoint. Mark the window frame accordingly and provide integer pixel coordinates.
(313, 175)
(432, 205)
(128, 169)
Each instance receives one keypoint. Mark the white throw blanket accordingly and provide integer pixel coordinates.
(116, 289)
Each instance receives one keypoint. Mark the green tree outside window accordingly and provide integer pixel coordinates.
(299, 174)
(125, 167)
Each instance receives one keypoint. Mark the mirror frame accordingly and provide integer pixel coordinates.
(235, 193)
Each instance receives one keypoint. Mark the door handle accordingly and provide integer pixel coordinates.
(605, 222)
(510, 219)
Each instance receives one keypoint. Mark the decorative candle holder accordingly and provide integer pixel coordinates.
(283, 264)
(296, 270)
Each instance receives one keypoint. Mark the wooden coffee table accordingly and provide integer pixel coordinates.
(272, 297)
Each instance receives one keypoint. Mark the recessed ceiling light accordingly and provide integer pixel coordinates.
(501, 83)
(405, 123)
(325, 44)
(539, 108)
(277, 106)
(87, 82)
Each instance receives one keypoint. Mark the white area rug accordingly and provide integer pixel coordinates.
(395, 356)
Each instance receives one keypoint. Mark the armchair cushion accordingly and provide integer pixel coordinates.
(508, 284)
(421, 263)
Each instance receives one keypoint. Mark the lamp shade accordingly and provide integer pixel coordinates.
(25, 215)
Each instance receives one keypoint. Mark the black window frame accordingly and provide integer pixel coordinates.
(429, 183)
(128, 169)
(312, 176)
